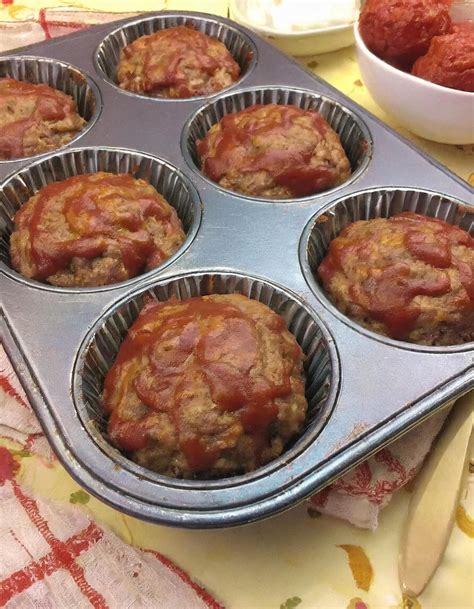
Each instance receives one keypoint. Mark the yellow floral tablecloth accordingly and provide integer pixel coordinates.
(299, 559)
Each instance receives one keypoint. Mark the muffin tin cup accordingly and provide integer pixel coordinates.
(353, 133)
(167, 179)
(327, 223)
(107, 55)
(61, 76)
(101, 346)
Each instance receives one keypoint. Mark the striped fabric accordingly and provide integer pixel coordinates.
(53, 555)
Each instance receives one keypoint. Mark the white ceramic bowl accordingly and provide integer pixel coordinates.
(428, 110)
(298, 44)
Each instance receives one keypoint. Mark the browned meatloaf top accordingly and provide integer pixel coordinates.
(176, 62)
(410, 277)
(94, 229)
(208, 387)
(274, 151)
(35, 118)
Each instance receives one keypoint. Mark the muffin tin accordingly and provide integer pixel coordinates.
(364, 390)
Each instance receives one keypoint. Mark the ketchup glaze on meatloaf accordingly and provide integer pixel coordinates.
(35, 119)
(207, 387)
(275, 151)
(410, 277)
(176, 62)
(93, 229)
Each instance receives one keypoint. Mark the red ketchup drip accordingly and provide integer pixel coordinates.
(430, 248)
(94, 221)
(47, 105)
(432, 244)
(452, 233)
(136, 251)
(430, 240)
(304, 180)
(466, 276)
(341, 250)
(223, 341)
(199, 456)
(388, 296)
(327, 269)
(130, 435)
(289, 167)
(11, 138)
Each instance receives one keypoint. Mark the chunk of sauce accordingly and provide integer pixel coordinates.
(231, 144)
(222, 341)
(171, 56)
(47, 105)
(130, 435)
(98, 209)
(199, 456)
(387, 294)
(430, 239)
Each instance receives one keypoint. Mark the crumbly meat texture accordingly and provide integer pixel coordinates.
(450, 59)
(400, 31)
(176, 62)
(93, 229)
(409, 277)
(35, 119)
(208, 387)
(274, 151)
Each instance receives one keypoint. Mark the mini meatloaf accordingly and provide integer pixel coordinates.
(274, 151)
(207, 387)
(176, 62)
(409, 277)
(400, 31)
(93, 229)
(35, 119)
(450, 59)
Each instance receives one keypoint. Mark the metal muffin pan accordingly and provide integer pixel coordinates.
(62, 340)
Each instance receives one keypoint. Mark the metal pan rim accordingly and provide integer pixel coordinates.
(207, 17)
(320, 294)
(152, 274)
(90, 123)
(355, 117)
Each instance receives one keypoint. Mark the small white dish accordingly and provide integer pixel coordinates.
(297, 43)
(431, 111)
